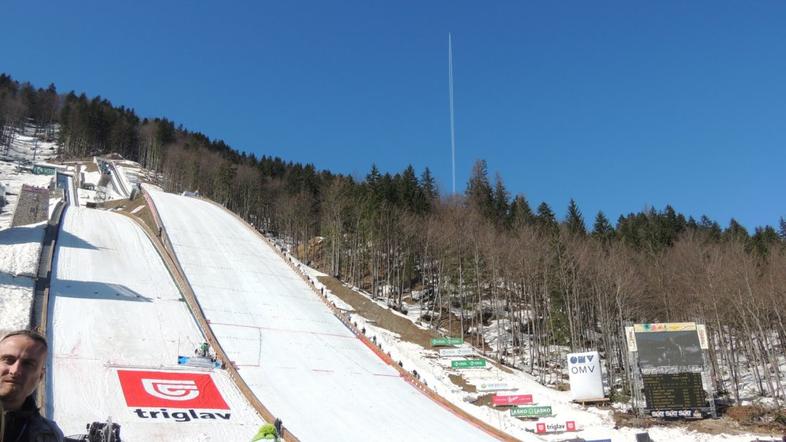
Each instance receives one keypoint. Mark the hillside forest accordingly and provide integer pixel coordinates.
(483, 259)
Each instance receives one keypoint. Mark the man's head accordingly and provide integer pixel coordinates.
(22, 361)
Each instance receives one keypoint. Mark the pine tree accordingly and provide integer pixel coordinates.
(409, 191)
(763, 239)
(479, 195)
(710, 227)
(501, 203)
(373, 182)
(574, 220)
(520, 212)
(546, 218)
(429, 186)
(735, 231)
(602, 229)
(165, 132)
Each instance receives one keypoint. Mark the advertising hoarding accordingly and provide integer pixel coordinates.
(170, 389)
(468, 363)
(444, 342)
(452, 352)
(555, 427)
(531, 411)
(495, 386)
(586, 379)
(517, 399)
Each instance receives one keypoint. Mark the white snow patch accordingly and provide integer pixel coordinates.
(16, 302)
(20, 249)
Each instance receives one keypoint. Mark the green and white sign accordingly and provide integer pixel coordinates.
(468, 363)
(43, 170)
(454, 352)
(534, 411)
(442, 342)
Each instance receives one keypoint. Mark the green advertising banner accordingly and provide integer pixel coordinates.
(442, 342)
(468, 363)
(535, 411)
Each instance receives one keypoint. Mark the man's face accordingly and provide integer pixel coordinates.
(21, 369)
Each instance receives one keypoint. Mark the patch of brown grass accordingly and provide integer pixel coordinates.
(459, 381)
(381, 317)
(758, 417)
(484, 400)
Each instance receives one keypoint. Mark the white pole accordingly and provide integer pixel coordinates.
(452, 124)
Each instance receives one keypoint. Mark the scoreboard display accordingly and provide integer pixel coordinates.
(680, 391)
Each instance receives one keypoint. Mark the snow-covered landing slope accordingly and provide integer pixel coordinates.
(299, 360)
(115, 312)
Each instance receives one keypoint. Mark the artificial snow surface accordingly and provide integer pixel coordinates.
(298, 358)
(114, 306)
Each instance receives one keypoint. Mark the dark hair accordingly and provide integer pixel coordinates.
(32, 334)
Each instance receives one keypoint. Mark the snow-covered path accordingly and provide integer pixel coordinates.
(299, 360)
(114, 311)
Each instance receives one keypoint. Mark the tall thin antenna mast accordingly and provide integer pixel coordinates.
(452, 124)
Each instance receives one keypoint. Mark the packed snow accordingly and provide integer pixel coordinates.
(29, 144)
(299, 359)
(115, 308)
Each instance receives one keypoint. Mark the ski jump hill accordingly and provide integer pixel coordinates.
(297, 357)
(116, 326)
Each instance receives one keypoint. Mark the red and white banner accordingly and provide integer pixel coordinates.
(170, 389)
(555, 427)
(518, 399)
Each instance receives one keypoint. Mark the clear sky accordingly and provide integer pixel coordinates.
(619, 105)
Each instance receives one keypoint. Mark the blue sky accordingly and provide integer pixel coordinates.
(619, 105)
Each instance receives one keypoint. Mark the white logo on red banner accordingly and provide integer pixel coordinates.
(170, 389)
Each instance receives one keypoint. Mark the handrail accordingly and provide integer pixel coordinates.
(40, 321)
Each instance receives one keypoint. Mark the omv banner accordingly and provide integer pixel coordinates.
(586, 380)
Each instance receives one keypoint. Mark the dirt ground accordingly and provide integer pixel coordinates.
(390, 321)
(381, 316)
(729, 424)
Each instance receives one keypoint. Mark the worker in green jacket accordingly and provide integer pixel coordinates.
(266, 432)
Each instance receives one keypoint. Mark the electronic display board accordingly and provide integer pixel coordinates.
(669, 349)
(681, 391)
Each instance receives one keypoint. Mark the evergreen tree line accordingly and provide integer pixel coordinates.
(473, 261)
